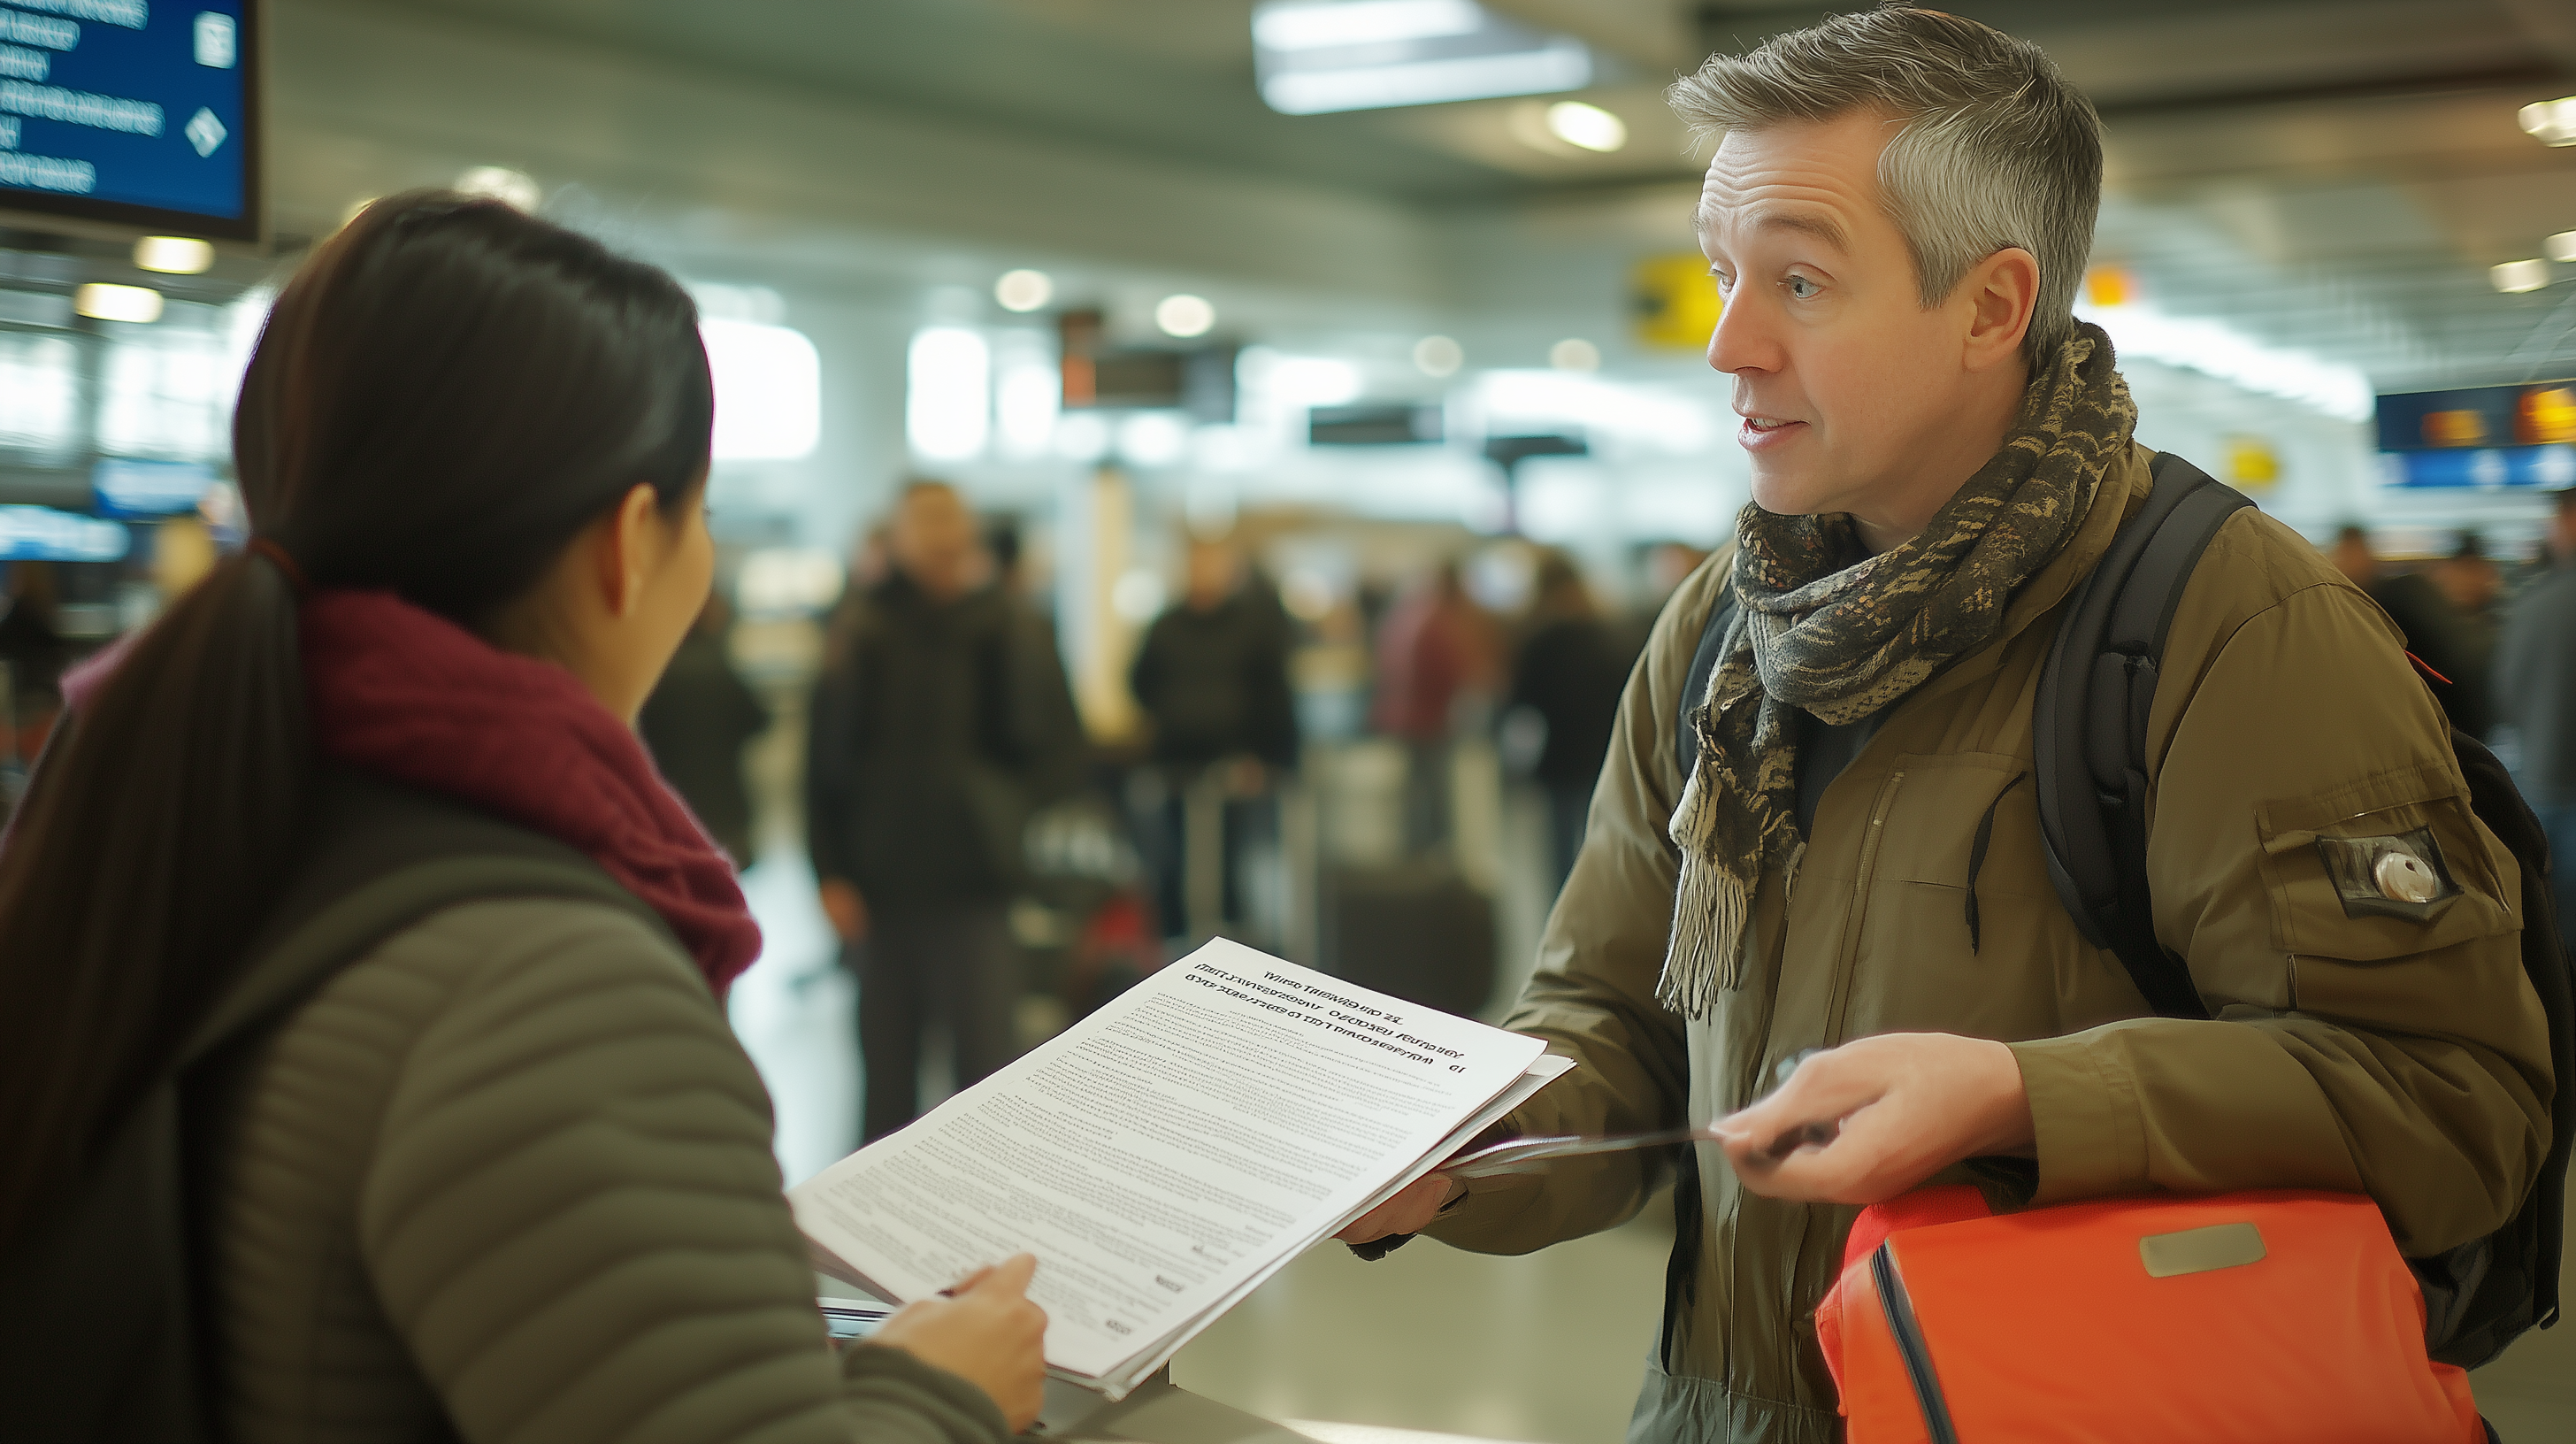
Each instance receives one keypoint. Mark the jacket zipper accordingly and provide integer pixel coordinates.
(1901, 1326)
(1857, 918)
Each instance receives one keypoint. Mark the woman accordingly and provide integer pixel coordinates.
(505, 1175)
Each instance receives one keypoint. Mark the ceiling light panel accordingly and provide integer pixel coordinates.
(2551, 122)
(1315, 57)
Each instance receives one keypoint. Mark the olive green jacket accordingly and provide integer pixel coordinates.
(508, 1178)
(2406, 1060)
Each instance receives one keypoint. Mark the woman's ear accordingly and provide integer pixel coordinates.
(627, 548)
(2004, 288)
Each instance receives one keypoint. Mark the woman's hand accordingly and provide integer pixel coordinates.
(984, 1331)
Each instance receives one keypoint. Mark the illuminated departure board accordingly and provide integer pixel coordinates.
(131, 111)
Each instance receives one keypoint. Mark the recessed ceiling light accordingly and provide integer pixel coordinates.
(1574, 354)
(512, 188)
(1588, 126)
(2560, 247)
(1023, 290)
(174, 255)
(1438, 355)
(2519, 275)
(100, 301)
(2551, 122)
(1184, 315)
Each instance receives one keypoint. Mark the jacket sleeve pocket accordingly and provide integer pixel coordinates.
(2385, 868)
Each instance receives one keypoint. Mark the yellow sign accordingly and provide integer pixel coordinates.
(2110, 286)
(2252, 463)
(1674, 301)
(2547, 415)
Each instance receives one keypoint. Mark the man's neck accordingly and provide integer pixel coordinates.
(1947, 461)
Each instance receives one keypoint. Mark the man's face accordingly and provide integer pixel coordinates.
(934, 542)
(1847, 384)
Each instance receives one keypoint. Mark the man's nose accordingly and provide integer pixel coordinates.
(1741, 341)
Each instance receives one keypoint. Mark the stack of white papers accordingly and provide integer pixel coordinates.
(1167, 1154)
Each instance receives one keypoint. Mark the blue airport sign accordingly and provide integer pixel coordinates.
(132, 488)
(131, 111)
(42, 534)
(2493, 468)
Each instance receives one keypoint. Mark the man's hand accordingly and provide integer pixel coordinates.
(846, 909)
(1408, 1212)
(1909, 1104)
(984, 1331)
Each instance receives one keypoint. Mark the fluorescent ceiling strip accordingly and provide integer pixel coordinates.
(1563, 65)
(2216, 349)
(1363, 22)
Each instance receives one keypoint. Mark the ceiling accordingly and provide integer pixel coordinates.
(2336, 174)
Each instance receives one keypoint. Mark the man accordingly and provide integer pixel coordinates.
(698, 722)
(2535, 695)
(1434, 651)
(940, 723)
(1212, 677)
(2434, 627)
(1898, 214)
(1567, 673)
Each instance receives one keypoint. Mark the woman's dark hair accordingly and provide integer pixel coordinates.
(445, 394)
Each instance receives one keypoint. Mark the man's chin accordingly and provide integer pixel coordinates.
(1790, 491)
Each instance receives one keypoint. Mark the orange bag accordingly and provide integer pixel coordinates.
(2267, 1317)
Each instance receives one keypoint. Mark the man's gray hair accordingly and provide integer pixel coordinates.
(1997, 150)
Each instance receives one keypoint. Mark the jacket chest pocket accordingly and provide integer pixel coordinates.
(1955, 924)
(1927, 832)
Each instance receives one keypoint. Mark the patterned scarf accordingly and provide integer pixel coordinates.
(1820, 627)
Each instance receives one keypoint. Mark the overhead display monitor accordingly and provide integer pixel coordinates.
(141, 113)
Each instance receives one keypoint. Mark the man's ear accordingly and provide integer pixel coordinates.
(2002, 290)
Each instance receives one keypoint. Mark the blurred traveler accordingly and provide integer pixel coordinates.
(2535, 695)
(1832, 842)
(940, 724)
(32, 647)
(696, 724)
(2436, 631)
(359, 982)
(2472, 583)
(1568, 671)
(1662, 567)
(1212, 678)
(1435, 651)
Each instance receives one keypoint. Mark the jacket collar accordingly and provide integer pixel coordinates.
(2124, 489)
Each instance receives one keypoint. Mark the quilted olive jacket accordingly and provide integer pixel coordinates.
(508, 1178)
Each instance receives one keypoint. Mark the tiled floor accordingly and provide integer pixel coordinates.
(1546, 1348)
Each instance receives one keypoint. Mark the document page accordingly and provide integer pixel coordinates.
(1163, 1153)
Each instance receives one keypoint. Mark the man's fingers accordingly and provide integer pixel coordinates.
(1407, 1212)
(1010, 1276)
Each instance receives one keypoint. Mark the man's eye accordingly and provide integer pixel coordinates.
(1802, 288)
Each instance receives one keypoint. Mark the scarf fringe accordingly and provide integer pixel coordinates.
(1707, 951)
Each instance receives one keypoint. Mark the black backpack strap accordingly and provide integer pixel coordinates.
(2089, 725)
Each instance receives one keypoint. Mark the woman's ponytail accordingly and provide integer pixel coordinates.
(152, 841)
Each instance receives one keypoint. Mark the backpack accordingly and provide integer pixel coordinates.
(102, 1321)
(2089, 732)
(2090, 736)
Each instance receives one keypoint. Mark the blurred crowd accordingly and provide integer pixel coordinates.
(948, 779)
(943, 729)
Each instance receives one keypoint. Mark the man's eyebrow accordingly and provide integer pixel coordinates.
(1822, 227)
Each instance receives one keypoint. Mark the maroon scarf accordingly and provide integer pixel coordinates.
(413, 698)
